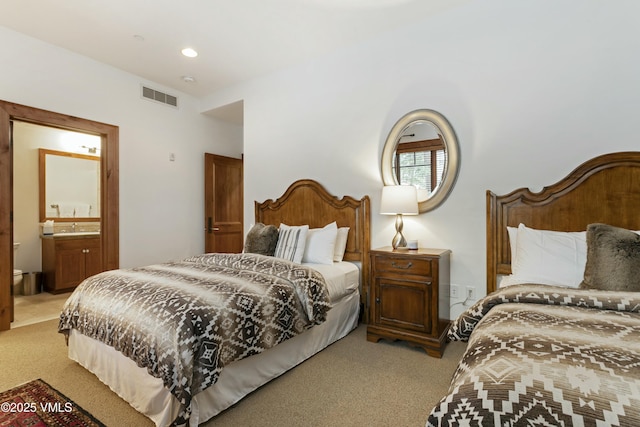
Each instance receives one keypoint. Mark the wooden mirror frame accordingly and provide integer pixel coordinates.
(450, 173)
(42, 183)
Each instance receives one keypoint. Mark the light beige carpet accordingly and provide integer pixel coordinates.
(351, 383)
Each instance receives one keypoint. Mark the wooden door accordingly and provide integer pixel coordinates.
(224, 198)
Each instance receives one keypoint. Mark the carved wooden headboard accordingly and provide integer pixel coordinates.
(605, 189)
(308, 202)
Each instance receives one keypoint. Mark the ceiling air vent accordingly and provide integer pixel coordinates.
(156, 95)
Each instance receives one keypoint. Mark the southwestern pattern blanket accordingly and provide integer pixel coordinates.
(547, 356)
(184, 321)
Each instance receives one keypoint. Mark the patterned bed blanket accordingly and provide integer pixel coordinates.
(546, 356)
(184, 321)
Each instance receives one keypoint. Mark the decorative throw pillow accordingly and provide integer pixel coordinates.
(613, 259)
(291, 241)
(261, 239)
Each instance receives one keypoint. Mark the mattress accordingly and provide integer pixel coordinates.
(342, 278)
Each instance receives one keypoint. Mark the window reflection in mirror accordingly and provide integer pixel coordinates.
(420, 157)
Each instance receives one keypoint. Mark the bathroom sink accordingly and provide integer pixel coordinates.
(76, 233)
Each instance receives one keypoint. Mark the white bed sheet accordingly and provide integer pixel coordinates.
(149, 396)
(342, 278)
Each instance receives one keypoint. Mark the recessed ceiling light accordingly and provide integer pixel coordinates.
(138, 37)
(188, 79)
(187, 51)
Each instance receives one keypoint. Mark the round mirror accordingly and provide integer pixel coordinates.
(422, 150)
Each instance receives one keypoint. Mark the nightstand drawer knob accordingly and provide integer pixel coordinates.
(407, 266)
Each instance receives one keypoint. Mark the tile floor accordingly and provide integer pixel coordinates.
(36, 308)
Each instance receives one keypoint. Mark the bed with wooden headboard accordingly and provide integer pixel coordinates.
(557, 339)
(263, 328)
(307, 202)
(605, 189)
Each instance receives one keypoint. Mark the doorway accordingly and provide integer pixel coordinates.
(51, 165)
(109, 197)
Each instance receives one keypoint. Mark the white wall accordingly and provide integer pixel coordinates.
(531, 88)
(161, 202)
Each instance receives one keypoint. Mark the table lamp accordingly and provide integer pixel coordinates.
(399, 200)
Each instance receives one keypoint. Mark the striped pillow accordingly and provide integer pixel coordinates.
(291, 241)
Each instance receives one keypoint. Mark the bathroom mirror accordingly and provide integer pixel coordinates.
(69, 186)
(422, 150)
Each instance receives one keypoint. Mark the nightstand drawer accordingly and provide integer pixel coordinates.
(402, 265)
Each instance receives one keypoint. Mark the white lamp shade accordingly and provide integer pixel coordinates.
(399, 199)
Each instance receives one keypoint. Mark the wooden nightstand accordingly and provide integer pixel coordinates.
(410, 297)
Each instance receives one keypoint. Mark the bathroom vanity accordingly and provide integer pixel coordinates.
(68, 259)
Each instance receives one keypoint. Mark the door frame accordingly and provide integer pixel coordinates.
(109, 198)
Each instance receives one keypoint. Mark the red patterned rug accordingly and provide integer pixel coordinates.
(37, 404)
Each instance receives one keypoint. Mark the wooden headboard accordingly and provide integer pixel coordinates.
(307, 202)
(605, 189)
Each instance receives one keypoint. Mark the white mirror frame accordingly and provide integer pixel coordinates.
(450, 173)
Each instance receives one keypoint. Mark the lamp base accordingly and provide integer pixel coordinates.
(399, 240)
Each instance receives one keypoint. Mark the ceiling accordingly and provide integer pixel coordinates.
(237, 40)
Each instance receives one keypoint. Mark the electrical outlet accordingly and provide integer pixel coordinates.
(471, 293)
(453, 291)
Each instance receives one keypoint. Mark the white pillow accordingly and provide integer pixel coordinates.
(291, 242)
(549, 257)
(341, 244)
(513, 236)
(320, 245)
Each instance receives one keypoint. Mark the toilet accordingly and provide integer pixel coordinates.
(17, 274)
